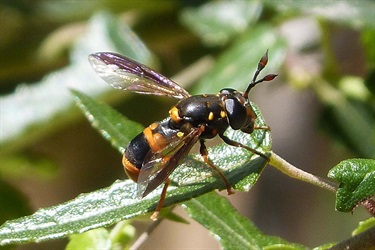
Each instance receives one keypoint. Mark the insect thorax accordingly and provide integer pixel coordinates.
(206, 110)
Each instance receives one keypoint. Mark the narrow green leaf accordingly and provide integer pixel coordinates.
(110, 124)
(30, 112)
(119, 131)
(364, 226)
(105, 207)
(357, 14)
(87, 211)
(351, 121)
(368, 41)
(230, 228)
(122, 235)
(362, 240)
(217, 22)
(325, 246)
(25, 163)
(356, 177)
(168, 213)
(13, 204)
(118, 202)
(94, 239)
(237, 65)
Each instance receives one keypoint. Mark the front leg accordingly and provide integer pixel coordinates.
(265, 128)
(203, 151)
(240, 145)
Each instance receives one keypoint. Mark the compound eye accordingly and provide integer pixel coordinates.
(236, 113)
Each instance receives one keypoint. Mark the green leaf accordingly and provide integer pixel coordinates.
(356, 177)
(368, 39)
(348, 120)
(94, 239)
(230, 228)
(219, 21)
(364, 226)
(114, 127)
(119, 131)
(13, 204)
(118, 202)
(168, 213)
(34, 110)
(356, 14)
(88, 211)
(236, 66)
(26, 163)
(122, 235)
(325, 246)
(362, 238)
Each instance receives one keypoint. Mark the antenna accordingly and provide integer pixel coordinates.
(261, 65)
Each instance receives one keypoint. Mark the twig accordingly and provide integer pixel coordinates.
(144, 236)
(364, 240)
(290, 170)
(369, 204)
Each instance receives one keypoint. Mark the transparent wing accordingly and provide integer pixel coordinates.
(158, 166)
(123, 73)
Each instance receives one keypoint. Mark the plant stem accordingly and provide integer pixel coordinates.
(364, 240)
(290, 170)
(145, 235)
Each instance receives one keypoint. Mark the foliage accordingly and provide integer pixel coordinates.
(356, 178)
(236, 34)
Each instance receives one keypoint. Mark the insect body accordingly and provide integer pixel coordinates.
(154, 154)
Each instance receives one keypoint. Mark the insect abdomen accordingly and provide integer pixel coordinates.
(154, 138)
(134, 156)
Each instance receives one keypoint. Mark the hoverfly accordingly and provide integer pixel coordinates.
(155, 153)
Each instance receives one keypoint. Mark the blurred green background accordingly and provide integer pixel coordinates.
(320, 108)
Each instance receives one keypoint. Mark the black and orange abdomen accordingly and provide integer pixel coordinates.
(134, 156)
(154, 138)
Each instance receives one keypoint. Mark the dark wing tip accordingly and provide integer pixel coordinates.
(106, 57)
(96, 58)
(98, 55)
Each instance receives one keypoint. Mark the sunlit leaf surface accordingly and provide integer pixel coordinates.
(356, 177)
(32, 109)
(119, 201)
(232, 230)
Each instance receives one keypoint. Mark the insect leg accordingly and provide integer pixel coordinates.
(266, 128)
(203, 151)
(155, 215)
(237, 144)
